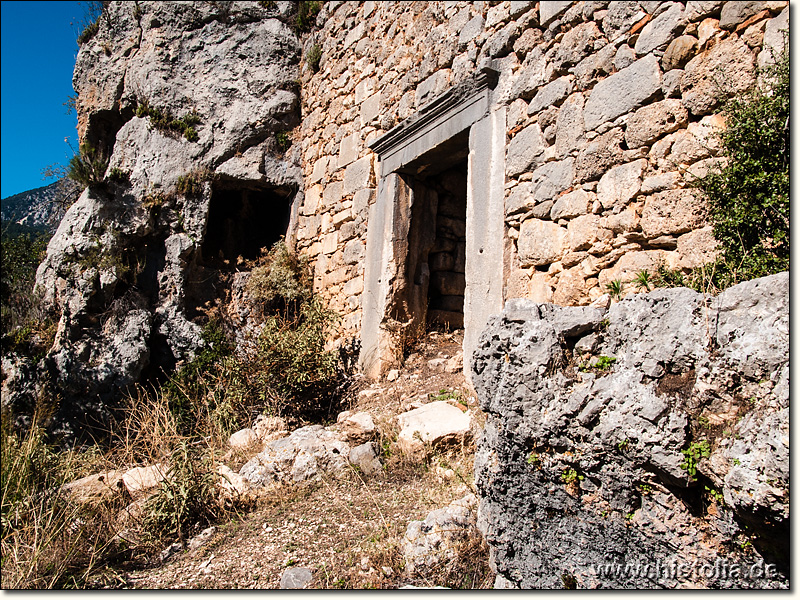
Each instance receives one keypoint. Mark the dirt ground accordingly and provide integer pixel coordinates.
(345, 529)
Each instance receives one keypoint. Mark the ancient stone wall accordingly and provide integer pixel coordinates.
(609, 115)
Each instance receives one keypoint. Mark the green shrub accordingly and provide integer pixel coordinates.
(748, 197)
(615, 288)
(163, 120)
(297, 370)
(88, 166)
(89, 23)
(284, 140)
(186, 500)
(88, 33)
(307, 15)
(279, 278)
(313, 56)
(570, 476)
(692, 455)
(193, 392)
(19, 257)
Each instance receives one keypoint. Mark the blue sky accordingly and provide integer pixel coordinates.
(38, 55)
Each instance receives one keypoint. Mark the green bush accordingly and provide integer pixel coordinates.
(307, 12)
(286, 371)
(297, 370)
(163, 120)
(186, 500)
(693, 455)
(279, 278)
(20, 256)
(88, 166)
(313, 56)
(89, 23)
(748, 197)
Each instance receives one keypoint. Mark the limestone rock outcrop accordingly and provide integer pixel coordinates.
(668, 444)
(137, 256)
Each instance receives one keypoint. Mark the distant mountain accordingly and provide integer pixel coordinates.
(41, 208)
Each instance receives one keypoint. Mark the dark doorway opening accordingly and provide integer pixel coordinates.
(446, 257)
(435, 265)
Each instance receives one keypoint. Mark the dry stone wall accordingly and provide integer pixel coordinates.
(609, 110)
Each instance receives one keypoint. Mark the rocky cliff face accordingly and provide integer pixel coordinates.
(638, 446)
(138, 256)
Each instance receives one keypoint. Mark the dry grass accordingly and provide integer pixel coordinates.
(347, 530)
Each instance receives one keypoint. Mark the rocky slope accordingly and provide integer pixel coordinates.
(42, 207)
(638, 446)
(134, 260)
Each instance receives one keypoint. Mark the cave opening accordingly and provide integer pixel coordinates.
(242, 223)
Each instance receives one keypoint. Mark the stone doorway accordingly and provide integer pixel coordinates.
(437, 241)
(409, 280)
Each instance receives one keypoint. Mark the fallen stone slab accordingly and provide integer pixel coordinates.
(105, 485)
(434, 423)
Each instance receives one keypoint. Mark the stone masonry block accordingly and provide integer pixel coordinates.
(540, 242)
(623, 92)
(319, 169)
(471, 30)
(650, 122)
(620, 184)
(525, 150)
(370, 109)
(357, 176)
(672, 212)
(571, 205)
(348, 149)
(660, 30)
(550, 10)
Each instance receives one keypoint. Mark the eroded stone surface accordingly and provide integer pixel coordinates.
(565, 451)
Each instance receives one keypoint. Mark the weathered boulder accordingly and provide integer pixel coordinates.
(366, 459)
(358, 428)
(672, 449)
(296, 578)
(244, 438)
(436, 423)
(297, 458)
(428, 543)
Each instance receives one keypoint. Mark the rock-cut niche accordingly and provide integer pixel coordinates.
(242, 222)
